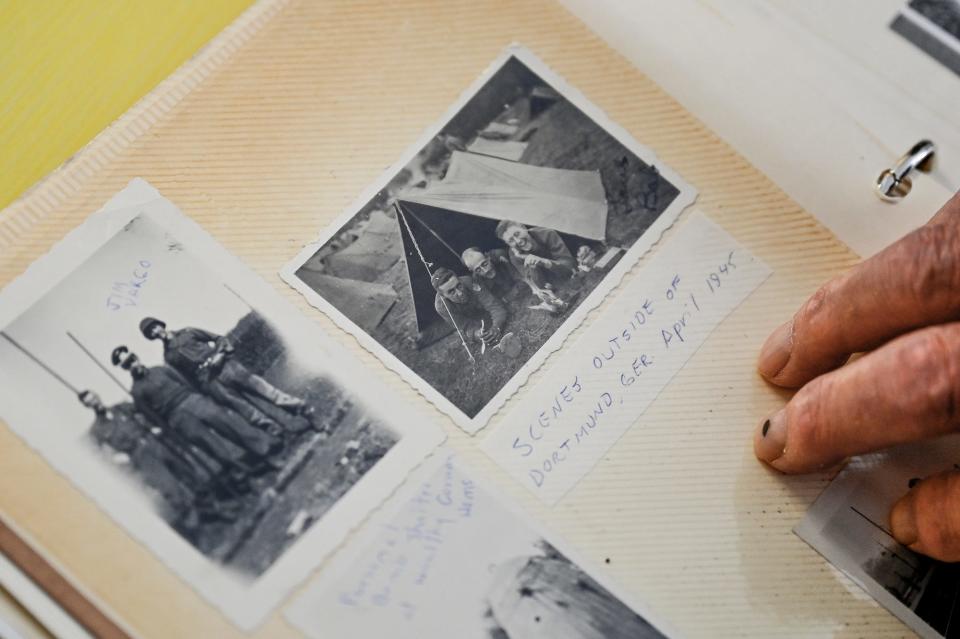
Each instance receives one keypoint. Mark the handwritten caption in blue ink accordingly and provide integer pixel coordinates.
(632, 366)
(605, 381)
(126, 293)
(408, 547)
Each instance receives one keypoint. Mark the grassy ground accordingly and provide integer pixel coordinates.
(445, 365)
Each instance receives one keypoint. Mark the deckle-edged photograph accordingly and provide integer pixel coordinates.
(490, 240)
(449, 553)
(168, 382)
(934, 27)
(849, 526)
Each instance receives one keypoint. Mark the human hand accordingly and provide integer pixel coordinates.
(488, 335)
(531, 261)
(900, 307)
(586, 257)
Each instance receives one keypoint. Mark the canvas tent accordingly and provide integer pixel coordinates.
(366, 303)
(463, 209)
(375, 250)
(571, 202)
(505, 149)
(541, 99)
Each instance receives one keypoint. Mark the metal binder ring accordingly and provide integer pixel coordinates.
(893, 184)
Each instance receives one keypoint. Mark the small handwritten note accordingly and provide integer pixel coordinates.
(411, 544)
(126, 292)
(448, 557)
(605, 381)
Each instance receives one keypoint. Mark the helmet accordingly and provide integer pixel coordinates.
(117, 355)
(148, 323)
(439, 276)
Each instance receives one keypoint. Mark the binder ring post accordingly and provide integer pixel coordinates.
(894, 184)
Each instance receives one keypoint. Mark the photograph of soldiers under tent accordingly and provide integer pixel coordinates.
(482, 247)
(189, 402)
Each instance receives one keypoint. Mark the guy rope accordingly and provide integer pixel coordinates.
(427, 265)
(103, 368)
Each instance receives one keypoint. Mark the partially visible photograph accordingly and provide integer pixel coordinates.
(849, 526)
(450, 554)
(176, 399)
(934, 27)
(490, 241)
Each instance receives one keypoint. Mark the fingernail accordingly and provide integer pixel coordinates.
(776, 351)
(903, 523)
(771, 436)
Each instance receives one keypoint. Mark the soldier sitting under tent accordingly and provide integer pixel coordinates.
(208, 360)
(492, 271)
(182, 479)
(541, 257)
(165, 397)
(477, 314)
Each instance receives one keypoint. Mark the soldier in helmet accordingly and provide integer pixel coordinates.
(470, 308)
(127, 437)
(181, 480)
(163, 395)
(208, 360)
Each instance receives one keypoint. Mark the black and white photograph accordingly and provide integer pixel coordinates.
(934, 27)
(849, 526)
(451, 553)
(489, 241)
(186, 401)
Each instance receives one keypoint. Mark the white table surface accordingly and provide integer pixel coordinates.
(819, 95)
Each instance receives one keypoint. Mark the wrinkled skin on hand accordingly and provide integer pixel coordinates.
(901, 309)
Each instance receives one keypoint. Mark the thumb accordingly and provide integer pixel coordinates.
(927, 519)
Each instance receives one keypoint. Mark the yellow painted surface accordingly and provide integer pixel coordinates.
(68, 68)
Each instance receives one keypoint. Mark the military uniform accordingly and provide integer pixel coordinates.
(481, 306)
(126, 430)
(164, 395)
(123, 430)
(548, 245)
(505, 279)
(191, 351)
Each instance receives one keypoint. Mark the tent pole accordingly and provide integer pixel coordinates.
(240, 297)
(97, 362)
(426, 266)
(436, 235)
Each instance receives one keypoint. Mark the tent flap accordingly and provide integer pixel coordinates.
(572, 202)
(376, 249)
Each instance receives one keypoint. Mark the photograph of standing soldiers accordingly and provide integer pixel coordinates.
(482, 247)
(207, 361)
(233, 441)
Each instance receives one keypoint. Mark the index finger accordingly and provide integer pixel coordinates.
(905, 391)
(910, 284)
